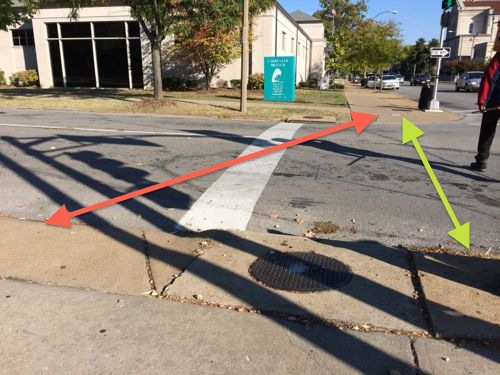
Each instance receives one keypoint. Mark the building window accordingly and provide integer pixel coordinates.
(292, 45)
(95, 54)
(283, 40)
(471, 28)
(23, 37)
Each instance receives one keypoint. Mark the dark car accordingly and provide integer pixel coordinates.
(420, 79)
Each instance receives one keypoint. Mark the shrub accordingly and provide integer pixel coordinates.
(256, 82)
(313, 83)
(235, 83)
(191, 84)
(2, 77)
(176, 83)
(25, 78)
(338, 86)
(173, 83)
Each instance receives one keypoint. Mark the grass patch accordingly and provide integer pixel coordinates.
(305, 96)
(219, 103)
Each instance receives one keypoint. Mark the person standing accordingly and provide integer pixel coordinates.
(488, 100)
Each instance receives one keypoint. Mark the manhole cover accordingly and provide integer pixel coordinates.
(300, 272)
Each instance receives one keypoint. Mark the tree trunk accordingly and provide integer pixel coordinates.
(157, 85)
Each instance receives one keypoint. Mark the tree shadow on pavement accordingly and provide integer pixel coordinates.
(169, 197)
(360, 153)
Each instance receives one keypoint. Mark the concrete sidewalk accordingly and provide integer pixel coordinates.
(184, 304)
(390, 107)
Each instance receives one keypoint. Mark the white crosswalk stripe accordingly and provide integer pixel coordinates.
(229, 202)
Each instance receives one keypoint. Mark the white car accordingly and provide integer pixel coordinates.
(400, 78)
(469, 81)
(388, 82)
(371, 82)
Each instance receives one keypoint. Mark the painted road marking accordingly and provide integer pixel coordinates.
(229, 202)
(138, 132)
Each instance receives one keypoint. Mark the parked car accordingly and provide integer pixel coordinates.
(370, 83)
(420, 79)
(387, 82)
(400, 78)
(364, 80)
(469, 81)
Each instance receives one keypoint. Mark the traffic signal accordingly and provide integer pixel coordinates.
(446, 4)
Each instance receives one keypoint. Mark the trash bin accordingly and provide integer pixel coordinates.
(424, 101)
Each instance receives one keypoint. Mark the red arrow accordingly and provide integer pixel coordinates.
(62, 217)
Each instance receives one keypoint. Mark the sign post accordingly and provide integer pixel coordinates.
(279, 78)
(434, 104)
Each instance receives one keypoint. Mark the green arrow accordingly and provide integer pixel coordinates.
(461, 233)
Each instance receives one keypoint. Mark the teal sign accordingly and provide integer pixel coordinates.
(279, 78)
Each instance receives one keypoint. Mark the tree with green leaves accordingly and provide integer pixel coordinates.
(206, 49)
(11, 14)
(209, 37)
(341, 18)
(419, 58)
(376, 46)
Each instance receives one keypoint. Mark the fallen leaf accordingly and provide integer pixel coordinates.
(310, 234)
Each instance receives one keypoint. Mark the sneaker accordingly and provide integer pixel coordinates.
(478, 167)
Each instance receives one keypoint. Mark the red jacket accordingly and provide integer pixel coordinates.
(489, 89)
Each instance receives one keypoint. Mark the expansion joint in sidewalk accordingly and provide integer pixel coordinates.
(419, 293)
(414, 353)
(151, 279)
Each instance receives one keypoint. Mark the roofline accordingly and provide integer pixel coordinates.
(287, 15)
(316, 20)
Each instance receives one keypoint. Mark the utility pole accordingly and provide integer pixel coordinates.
(244, 58)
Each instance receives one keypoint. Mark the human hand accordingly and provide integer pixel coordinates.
(482, 108)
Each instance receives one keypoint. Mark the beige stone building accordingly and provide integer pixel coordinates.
(106, 47)
(472, 30)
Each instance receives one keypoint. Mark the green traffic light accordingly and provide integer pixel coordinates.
(446, 4)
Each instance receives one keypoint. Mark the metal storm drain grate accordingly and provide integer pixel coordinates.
(300, 272)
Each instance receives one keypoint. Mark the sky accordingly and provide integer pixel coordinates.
(416, 19)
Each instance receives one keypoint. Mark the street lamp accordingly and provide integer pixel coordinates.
(385, 11)
(373, 18)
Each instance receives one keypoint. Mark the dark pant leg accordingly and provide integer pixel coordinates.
(488, 127)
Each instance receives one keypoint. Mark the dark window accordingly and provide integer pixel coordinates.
(112, 62)
(75, 30)
(133, 30)
(23, 37)
(55, 62)
(136, 63)
(79, 63)
(109, 29)
(52, 30)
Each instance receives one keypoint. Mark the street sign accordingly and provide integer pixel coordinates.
(443, 52)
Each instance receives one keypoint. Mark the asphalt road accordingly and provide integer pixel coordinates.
(449, 99)
(371, 186)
